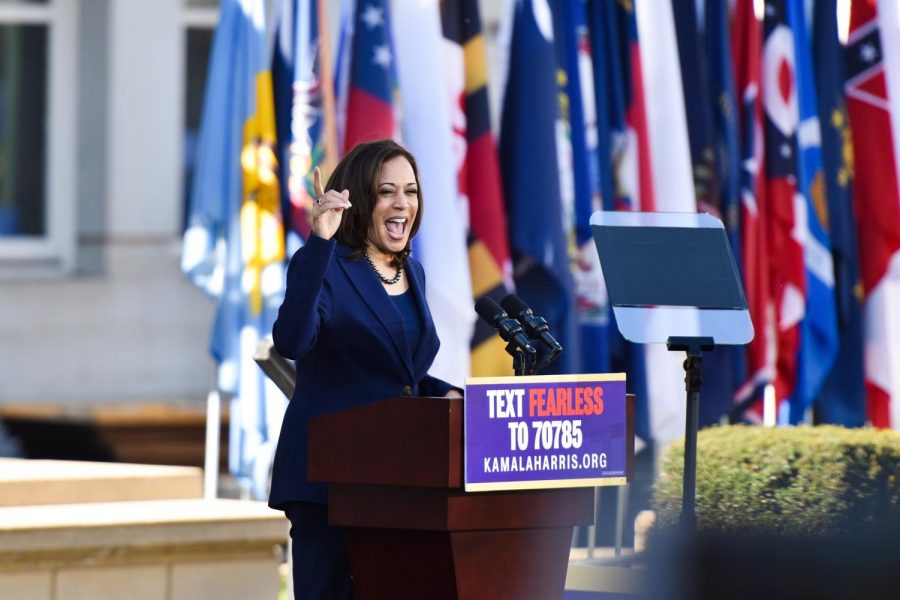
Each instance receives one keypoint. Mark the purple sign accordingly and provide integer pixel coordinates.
(545, 432)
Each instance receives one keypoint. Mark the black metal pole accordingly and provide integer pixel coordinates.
(692, 381)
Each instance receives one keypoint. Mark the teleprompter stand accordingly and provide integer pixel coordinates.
(693, 378)
(672, 279)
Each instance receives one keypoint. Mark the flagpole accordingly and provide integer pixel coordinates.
(211, 460)
(327, 81)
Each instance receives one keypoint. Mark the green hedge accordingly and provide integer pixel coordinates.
(798, 480)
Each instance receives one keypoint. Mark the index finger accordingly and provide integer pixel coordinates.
(317, 183)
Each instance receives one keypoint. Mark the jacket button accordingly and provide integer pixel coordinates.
(407, 390)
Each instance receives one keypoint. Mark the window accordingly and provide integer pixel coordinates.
(23, 112)
(37, 129)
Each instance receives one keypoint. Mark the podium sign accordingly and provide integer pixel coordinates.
(545, 431)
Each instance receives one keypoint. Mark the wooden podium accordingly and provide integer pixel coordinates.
(395, 470)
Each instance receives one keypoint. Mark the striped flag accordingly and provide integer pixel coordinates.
(818, 329)
(478, 176)
(428, 132)
(842, 397)
(873, 89)
(304, 109)
(234, 244)
(788, 274)
(747, 55)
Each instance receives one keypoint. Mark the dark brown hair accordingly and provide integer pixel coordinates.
(358, 172)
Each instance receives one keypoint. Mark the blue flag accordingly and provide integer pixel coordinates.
(724, 370)
(723, 100)
(818, 329)
(598, 16)
(841, 399)
(530, 173)
(301, 86)
(698, 111)
(613, 32)
(234, 244)
(580, 113)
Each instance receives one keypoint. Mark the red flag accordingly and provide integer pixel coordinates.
(372, 86)
(877, 206)
(747, 53)
(636, 117)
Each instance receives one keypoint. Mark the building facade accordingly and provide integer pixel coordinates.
(99, 105)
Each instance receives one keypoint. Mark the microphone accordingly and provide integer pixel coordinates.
(510, 329)
(536, 327)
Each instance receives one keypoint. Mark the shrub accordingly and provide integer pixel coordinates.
(817, 481)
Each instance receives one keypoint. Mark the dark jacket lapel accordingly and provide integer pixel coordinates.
(427, 346)
(372, 294)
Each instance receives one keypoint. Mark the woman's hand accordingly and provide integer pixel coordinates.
(453, 393)
(328, 208)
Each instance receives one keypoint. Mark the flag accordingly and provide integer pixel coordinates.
(530, 172)
(873, 53)
(604, 80)
(626, 183)
(579, 110)
(428, 132)
(754, 246)
(624, 177)
(635, 108)
(478, 176)
(785, 202)
(367, 74)
(724, 369)
(234, 244)
(818, 329)
(304, 109)
(841, 399)
(673, 190)
(695, 88)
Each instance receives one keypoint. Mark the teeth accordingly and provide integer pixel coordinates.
(397, 220)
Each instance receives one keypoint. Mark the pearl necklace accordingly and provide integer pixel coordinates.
(385, 280)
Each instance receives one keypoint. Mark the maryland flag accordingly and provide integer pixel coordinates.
(479, 176)
(234, 244)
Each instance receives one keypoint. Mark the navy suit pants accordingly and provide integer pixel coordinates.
(321, 567)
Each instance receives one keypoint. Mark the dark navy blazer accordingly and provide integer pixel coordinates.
(350, 346)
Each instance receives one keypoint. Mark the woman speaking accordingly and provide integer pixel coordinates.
(355, 320)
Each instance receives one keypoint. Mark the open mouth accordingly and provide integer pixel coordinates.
(396, 227)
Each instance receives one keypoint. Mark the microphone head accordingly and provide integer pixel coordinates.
(514, 305)
(489, 310)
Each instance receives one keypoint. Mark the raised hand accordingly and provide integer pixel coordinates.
(328, 208)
